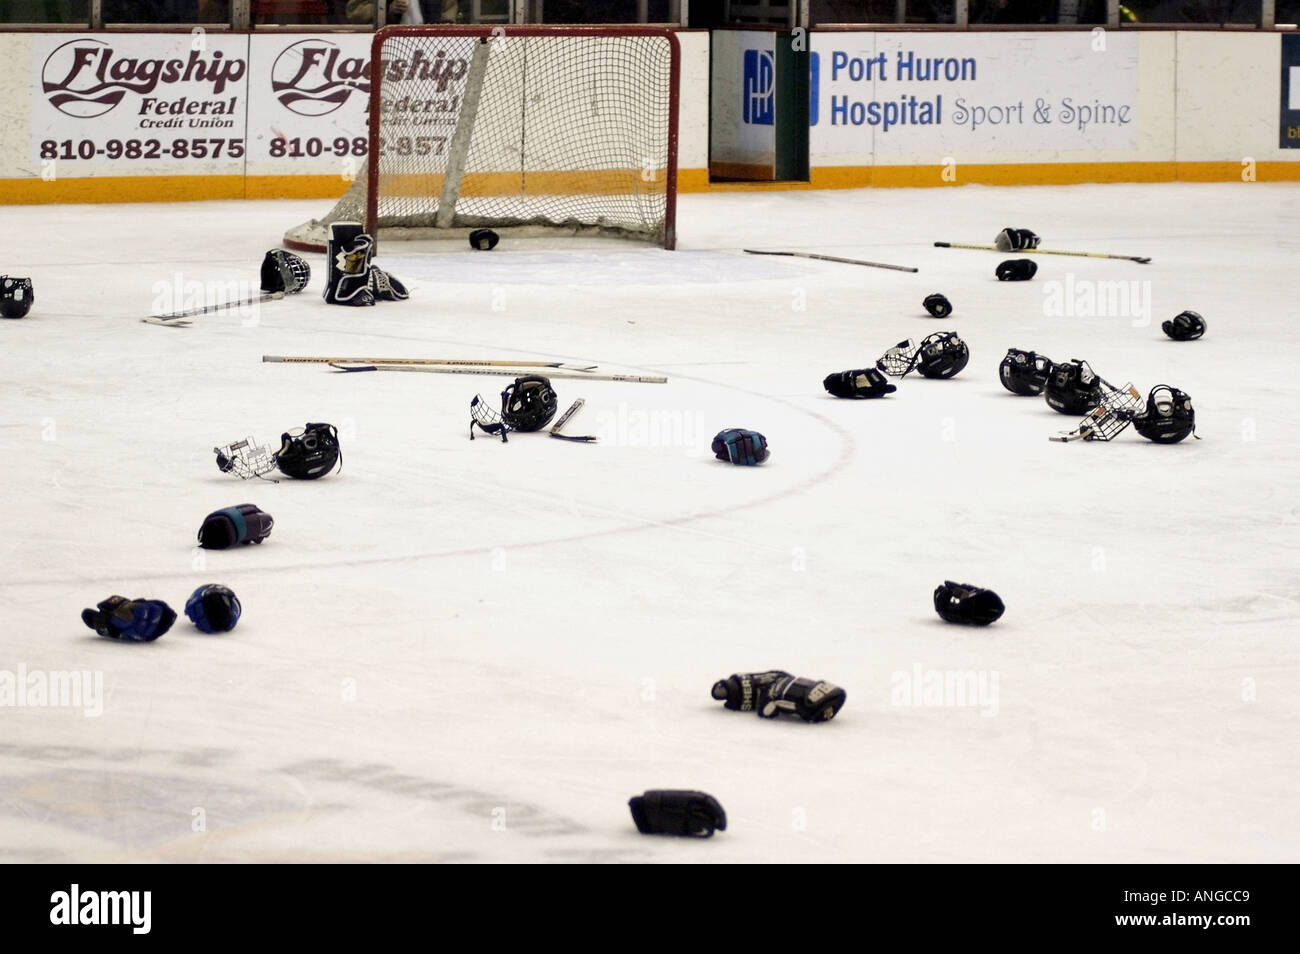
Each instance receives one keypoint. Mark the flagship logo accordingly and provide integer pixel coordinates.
(759, 102)
(102, 907)
(85, 78)
(442, 69)
(313, 77)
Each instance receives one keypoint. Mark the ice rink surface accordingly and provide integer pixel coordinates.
(457, 651)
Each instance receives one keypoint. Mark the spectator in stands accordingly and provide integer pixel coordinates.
(407, 11)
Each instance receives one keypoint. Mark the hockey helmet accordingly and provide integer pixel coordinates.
(529, 403)
(1169, 416)
(311, 453)
(1024, 372)
(284, 272)
(16, 296)
(942, 355)
(1072, 388)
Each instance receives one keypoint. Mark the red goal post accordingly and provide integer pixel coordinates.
(527, 129)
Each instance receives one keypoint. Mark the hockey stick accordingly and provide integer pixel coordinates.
(1044, 251)
(504, 372)
(574, 408)
(179, 319)
(832, 258)
(469, 362)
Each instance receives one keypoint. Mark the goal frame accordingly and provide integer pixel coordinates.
(506, 32)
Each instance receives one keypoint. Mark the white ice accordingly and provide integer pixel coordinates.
(470, 651)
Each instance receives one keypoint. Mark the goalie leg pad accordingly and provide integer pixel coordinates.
(677, 812)
(385, 287)
(347, 256)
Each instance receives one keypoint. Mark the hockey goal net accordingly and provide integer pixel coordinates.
(529, 128)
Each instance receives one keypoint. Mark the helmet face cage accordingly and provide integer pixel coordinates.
(898, 360)
(245, 459)
(529, 403)
(483, 416)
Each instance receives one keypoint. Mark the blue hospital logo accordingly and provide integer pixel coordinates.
(758, 104)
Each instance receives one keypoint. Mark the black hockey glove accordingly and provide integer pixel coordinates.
(811, 700)
(232, 526)
(347, 256)
(937, 305)
(677, 812)
(135, 621)
(741, 447)
(1012, 240)
(746, 691)
(1184, 326)
(862, 383)
(966, 604)
(483, 240)
(1016, 270)
(775, 692)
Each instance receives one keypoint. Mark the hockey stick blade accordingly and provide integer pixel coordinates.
(574, 408)
(834, 258)
(466, 362)
(495, 372)
(178, 318)
(1140, 259)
